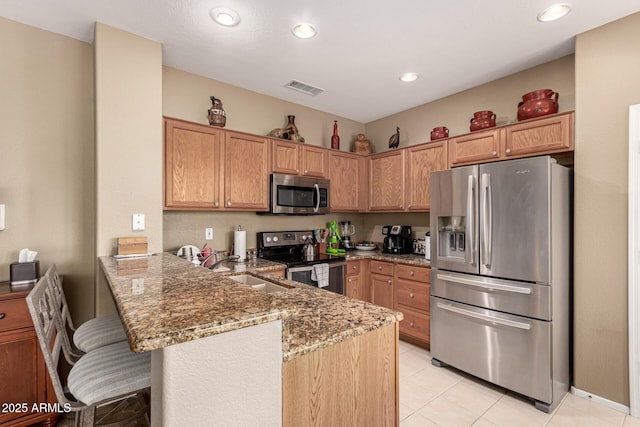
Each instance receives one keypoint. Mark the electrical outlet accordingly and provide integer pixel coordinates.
(208, 233)
(2, 217)
(137, 222)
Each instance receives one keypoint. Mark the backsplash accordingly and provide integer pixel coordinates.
(188, 227)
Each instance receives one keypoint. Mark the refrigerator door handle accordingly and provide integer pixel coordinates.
(471, 217)
(483, 285)
(487, 218)
(468, 313)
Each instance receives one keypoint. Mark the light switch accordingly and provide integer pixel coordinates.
(138, 222)
(2, 217)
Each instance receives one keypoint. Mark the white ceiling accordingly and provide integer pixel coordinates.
(361, 48)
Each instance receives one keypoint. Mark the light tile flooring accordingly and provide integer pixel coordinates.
(432, 396)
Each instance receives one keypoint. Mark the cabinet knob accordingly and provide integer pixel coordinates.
(228, 203)
(409, 206)
(508, 150)
(411, 273)
(298, 171)
(349, 280)
(306, 171)
(389, 281)
(400, 206)
(493, 153)
(411, 324)
(411, 295)
(2, 316)
(355, 267)
(379, 267)
(216, 204)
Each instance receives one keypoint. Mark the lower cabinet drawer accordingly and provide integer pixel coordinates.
(14, 314)
(382, 267)
(353, 268)
(415, 324)
(412, 294)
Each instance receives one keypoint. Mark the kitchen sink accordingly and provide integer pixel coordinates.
(259, 283)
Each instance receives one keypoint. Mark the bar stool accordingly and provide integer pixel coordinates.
(99, 377)
(93, 333)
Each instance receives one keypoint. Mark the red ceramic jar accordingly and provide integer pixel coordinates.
(439, 133)
(482, 120)
(538, 103)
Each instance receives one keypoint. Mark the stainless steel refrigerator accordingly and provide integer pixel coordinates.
(500, 277)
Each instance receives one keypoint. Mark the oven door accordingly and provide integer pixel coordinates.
(302, 274)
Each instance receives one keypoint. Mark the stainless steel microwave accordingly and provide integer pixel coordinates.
(298, 195)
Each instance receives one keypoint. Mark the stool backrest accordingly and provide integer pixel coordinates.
(45, 309)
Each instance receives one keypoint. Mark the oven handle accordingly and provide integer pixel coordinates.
(310, 267)
(505, 322)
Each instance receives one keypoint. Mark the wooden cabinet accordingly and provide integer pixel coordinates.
(315, 161)
(246, 172)
(294, 158)
(345, 175)
(382, 283)
(23, 375)
(420, 161)
(386, 181)
(356, 280)
(192, 165)
(477, 147)
(544, 135)
(412, 299)
(351, 383)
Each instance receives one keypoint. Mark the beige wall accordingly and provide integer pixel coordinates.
(128, 80)
(186, 96)
(607, 83)
(47, 156)
(500, 96)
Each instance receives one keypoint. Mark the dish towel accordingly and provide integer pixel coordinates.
(320, 274)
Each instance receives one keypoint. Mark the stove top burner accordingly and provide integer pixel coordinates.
(286, 247)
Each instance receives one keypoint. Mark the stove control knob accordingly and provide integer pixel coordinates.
(275, 239)
(303, 238)
(268, 239)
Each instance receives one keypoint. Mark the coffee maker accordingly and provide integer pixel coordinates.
(397, 239)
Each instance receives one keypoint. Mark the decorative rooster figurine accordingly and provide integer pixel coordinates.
(395, 139)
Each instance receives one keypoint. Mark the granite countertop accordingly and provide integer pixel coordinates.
(178, 301)
(402, 259)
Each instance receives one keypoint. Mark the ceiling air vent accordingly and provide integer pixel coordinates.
(304, 88)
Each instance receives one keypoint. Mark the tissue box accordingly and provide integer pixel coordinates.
(23, 273)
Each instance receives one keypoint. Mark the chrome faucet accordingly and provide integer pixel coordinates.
(220, 261)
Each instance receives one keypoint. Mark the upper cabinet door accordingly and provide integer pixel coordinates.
(285, 157)
(314, 161)
(547, 135)
(386, 181)
(344, 174)
(247, 166)
(192, 165)
(477, 147)
(420, 162)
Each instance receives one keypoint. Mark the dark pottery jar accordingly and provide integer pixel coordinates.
(538, 103)
(482, 120)
(217, 116)
(439, 133)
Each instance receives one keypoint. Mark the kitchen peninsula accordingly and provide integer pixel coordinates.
(226, 353)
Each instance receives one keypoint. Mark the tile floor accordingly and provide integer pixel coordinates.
(432, 396)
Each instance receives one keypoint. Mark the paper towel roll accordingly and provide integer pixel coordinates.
(240, 244)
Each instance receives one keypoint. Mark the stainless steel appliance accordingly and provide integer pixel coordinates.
(500, 258)
(397, 239)
(288, 247)
(297, 195)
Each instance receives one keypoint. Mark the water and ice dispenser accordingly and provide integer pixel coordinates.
(452, 238)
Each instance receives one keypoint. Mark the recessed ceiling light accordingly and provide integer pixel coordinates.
(225, 16)
(409, 77)
(304, 31)
(554, 12)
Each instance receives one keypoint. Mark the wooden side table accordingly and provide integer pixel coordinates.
(25, 386)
